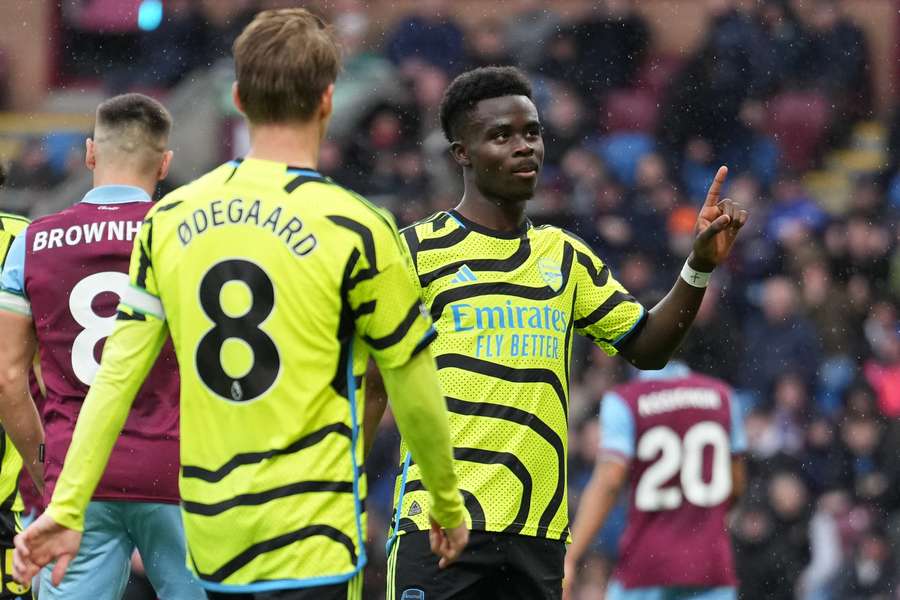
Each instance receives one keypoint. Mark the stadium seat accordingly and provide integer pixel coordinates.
(657, 73)
(622, 152)
(118, 16)
(799, 121)
(631, 110)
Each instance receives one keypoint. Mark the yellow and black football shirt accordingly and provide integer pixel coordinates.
(505, 307)
(276, 285)
(11, 462)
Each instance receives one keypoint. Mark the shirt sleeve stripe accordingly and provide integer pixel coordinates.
(610, 304)
(14, 303)
(400, 332)
(143, 302)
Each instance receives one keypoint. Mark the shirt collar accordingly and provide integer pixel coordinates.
(670, 371)
(116, 194)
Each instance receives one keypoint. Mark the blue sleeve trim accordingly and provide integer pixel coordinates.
(615, 343)
(13, 279)
(616, 425)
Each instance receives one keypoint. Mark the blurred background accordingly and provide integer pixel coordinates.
(641, 101)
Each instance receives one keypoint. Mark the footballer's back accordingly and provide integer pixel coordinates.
(680, 483)
(75, 271)
(276, 284)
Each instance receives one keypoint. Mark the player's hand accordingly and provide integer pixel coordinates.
(568, 579)
(41, 543)
(717, 227)
(448, 543)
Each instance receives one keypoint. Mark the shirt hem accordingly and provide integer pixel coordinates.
(527, 530)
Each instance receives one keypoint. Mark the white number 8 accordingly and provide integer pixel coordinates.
(95, 327)
(672, 455)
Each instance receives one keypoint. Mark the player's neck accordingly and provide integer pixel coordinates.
(493, 213)
(118, 177)
(296, 144)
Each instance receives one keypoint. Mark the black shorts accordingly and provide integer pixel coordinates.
(494, 566)
(349, 590)
(10, 525)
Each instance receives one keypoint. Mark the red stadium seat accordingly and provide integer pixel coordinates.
(631, 110)
(799, 122)
(118, 16)
(657, 73)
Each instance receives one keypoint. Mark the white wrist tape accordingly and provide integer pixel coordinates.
(694, 278)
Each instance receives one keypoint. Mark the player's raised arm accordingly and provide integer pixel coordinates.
(666, 324)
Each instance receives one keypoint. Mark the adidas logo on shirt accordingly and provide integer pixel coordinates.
(414, 509)
(464, 275)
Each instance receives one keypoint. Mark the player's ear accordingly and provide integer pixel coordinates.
(236, 98)
(460, 154)
(326, 105)
(90, 155)
(164, 165)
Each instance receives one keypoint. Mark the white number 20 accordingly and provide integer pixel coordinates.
(675, 455)
(94, 327)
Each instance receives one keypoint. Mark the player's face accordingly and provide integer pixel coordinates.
(505, 147)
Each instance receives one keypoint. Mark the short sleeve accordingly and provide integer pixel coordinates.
(616, 427)
(385, 299)
(142, 296)
(604, 310)
(13, 297)
(738, 431)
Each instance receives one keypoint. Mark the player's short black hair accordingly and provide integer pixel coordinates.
(127, 110)
(476, 85)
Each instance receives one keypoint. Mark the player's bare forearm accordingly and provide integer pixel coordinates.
(738, 478)
(129, 354)
(665, 327)
(376, 402)
(717, 228)
(18, 414)
(597, 500)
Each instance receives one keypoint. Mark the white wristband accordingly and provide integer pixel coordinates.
(694, 278)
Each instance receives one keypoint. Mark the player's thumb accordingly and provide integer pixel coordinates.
(60, 568)
(715, 227)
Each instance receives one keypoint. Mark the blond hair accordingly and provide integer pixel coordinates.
(284, 61)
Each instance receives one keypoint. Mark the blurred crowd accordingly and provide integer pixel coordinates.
(803, 321)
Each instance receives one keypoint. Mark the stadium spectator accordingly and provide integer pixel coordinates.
(835, 58)
(525, 34)
(427, 36)
(610, 45)
(868, 573)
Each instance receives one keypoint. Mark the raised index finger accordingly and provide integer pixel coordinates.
(712, 196)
